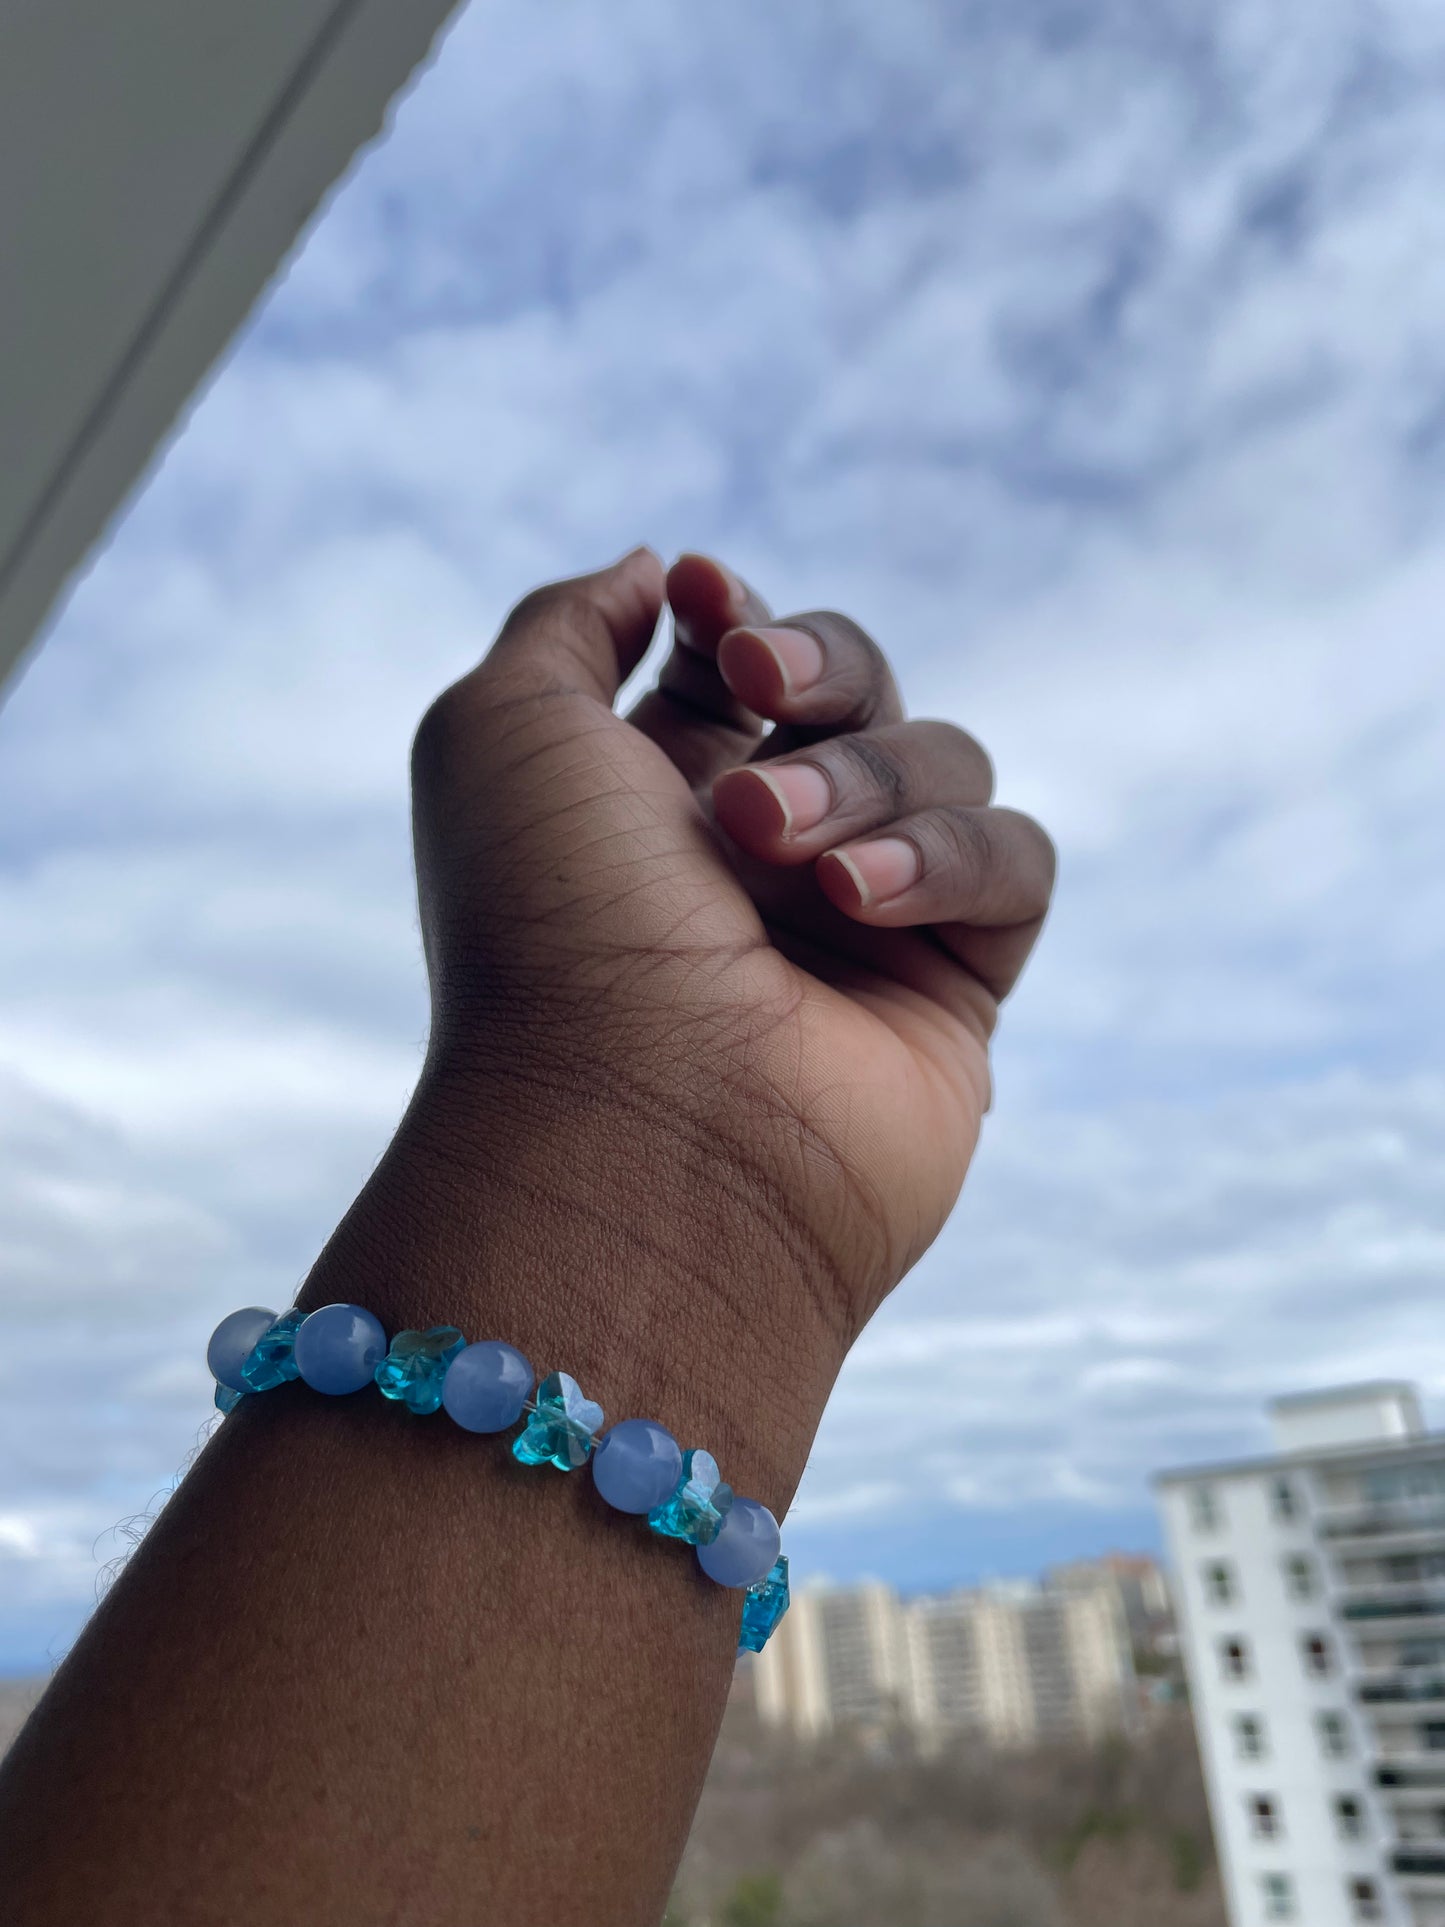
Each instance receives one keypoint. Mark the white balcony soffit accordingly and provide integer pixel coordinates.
(157, 161)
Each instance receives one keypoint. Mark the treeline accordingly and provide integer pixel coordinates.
(860, 1831)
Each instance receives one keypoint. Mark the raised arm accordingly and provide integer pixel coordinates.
(708, 1062)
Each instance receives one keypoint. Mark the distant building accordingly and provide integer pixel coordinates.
(1142, 1591)
(1014, 1664)
(1140, 1585)
(970, 1668)
(1311, 1592)
(840, 1654)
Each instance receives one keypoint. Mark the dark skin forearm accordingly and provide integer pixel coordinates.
(709, 1059)
(366, 1666)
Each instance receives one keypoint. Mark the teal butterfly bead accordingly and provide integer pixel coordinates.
(415, 1366)
(563, 1429)
(271, 1361)
(696, 1510)
(763, 1606)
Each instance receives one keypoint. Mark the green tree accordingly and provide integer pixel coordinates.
(1189, 1861)
(756, 1901)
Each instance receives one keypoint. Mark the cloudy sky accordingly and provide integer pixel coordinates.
(1090, 354)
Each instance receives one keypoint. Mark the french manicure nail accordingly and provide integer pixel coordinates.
(880, 870)
(803, 794)
(799, 657)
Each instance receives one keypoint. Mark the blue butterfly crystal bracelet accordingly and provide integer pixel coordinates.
(637, 1465)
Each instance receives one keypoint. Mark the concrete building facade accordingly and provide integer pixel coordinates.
(1310, 1587)
(1142, 1588)
(1017, 1665)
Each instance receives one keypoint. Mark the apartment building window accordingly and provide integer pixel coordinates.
(1204, 1509)
(1219, 1583)
(1234, 1658)
(1315, 1651)
(1432, 1732)
(1286, 1506)
(1409, 1568)
(1334, 1735)
(1264, 1816)
(1405, 1482)
(1349, 1820)
(1299, 1576)
(1365, 1900)
(1249, 1737)
(1278, 1890)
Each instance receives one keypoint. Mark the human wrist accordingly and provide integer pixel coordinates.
(604, 1245)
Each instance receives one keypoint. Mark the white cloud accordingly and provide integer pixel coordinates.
(1088, 353)
(1127, 1289)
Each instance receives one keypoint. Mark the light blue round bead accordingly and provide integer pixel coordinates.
(747, 1547)
(231, 1344)
(487, 1386)
(637, 1465)
(338, 1348)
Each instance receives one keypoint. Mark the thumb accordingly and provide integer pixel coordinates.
(588, 632)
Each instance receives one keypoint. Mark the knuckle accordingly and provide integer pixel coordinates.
(540, 607)
(1041, 846)
(955, 745)
(863, 760)
(564, 620)
(844, 637)
(434, 744)
(965, 839)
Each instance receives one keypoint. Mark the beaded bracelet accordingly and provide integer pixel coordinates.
(637, 1465)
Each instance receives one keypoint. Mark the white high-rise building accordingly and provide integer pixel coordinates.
(1015, 1664)
(1310, 1587)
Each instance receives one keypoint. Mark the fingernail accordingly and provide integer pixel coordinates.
(798, 655)
(737, 594)
(880, 870)
(803, 794)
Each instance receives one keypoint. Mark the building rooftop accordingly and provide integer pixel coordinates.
(1345, 1394)
(1323, 1455)
(1375, 1419)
